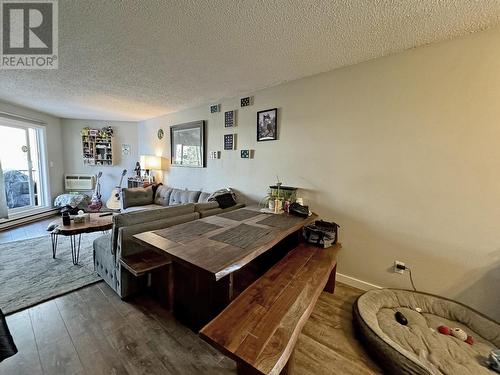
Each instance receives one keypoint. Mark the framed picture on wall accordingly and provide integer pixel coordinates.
(187, 144)
(267, 125)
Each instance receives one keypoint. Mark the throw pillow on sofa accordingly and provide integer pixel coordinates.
(179, 196)
(137, 196)
(212, 196)
(225, 200)
(162, 196)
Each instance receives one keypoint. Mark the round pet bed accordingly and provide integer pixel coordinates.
(418, 348)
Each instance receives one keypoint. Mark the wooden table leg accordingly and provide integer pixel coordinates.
(243, 369)
(197, 297)
(330, 284)
(162, 286)
(288, 369)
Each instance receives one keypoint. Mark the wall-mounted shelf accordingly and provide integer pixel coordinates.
(97, 146)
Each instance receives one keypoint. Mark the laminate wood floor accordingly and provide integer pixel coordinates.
(92, 331)
(32, 230)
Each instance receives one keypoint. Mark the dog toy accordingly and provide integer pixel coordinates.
(493, 360)
(400, 318)
(457, 333)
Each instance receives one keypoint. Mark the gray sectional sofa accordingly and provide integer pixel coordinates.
(153, 197)
(145, 210)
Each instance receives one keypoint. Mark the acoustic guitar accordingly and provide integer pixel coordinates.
(113, 202)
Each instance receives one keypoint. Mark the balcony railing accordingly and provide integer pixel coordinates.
(17, 188)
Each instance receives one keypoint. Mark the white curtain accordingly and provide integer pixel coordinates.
(4, 210)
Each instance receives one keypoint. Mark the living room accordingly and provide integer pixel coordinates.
(384, 117)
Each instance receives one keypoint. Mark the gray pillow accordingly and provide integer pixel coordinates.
(162, 196)
(179, 196)
(175, 197)
(191, 196)
(137, 196)
(203, 198)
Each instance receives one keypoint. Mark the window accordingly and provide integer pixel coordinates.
(23, 163)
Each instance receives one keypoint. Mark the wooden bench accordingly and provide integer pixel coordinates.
(260, 327)
(158, 266)
(146, 261)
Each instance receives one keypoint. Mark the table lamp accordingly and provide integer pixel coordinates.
(153, 163)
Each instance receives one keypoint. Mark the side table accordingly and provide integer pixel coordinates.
(96, 223)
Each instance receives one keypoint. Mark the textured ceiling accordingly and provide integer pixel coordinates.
(137, 59)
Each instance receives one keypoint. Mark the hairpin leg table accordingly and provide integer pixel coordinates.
(74, 231)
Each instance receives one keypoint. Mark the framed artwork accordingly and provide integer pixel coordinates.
(125, 149)
(229, 142)
(229, 119)
(187, 144)
(215, 108)
(267, 125)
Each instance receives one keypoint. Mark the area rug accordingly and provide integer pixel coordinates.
(29, 275)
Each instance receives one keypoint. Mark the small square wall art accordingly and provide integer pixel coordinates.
(229, 119)
(245, 102)
(229, 142)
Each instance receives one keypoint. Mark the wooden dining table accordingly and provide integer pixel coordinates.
(214, 258)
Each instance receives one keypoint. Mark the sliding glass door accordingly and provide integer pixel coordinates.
(22, 163)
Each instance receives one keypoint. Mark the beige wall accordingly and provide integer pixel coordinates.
(124, 132)
(54, 143)
(403, 152)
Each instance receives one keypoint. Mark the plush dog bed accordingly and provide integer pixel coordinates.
(418, 348)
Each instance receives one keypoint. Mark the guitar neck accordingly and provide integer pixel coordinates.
(121, 179)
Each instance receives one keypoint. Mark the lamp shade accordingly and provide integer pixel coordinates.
(152, 162)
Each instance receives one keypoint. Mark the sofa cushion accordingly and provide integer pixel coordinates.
(218, 210)
(179, 196)
(103, 243)
(162, 196)
(136, 196)
(198, 207)
(143, 216)
(129, 246)
(203, 198)
(141, 208)
(175, 197)
(104, 261)
(191, 196)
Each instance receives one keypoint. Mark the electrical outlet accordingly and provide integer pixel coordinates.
(396, 269)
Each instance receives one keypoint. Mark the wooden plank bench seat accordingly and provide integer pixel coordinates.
(260, 327)
(158, 267)
(146, 261)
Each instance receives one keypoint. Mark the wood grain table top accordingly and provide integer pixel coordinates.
(217, 257)
(96, 224)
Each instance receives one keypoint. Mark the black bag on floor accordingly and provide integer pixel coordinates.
(321, 233)
(7, 346)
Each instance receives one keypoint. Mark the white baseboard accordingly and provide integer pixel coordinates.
(8, 224)
(356, 283)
